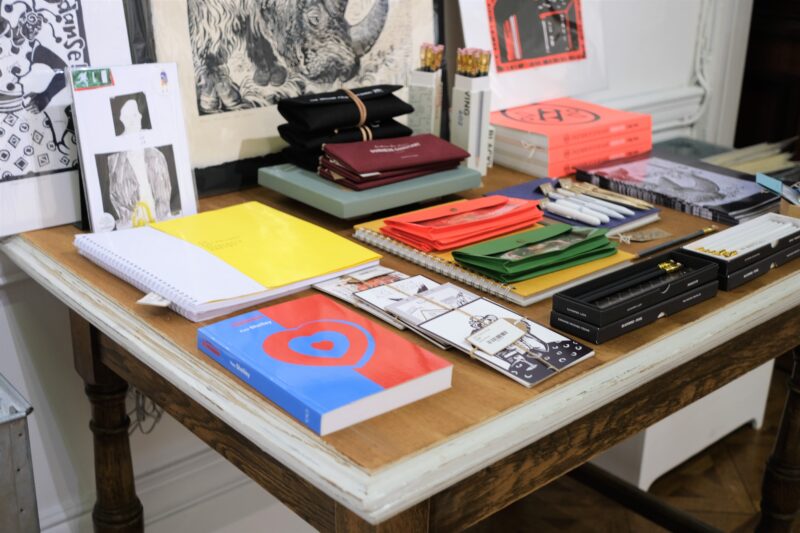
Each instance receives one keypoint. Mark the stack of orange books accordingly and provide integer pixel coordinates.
(552, 138)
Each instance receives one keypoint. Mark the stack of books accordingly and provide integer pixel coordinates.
(552, 138)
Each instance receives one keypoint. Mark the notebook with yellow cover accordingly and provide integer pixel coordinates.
(218, 262)
(523, 293)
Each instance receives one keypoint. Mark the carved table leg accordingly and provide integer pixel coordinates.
(414, 520)
(117, 508)
(780, 493)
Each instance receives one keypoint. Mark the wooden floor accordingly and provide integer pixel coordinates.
(721, 486)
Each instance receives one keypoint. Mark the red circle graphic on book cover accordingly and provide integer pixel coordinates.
(321, 343)
(551, 115)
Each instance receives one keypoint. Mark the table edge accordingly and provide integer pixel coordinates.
(379, 495)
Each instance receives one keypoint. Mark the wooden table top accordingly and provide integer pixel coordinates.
(423, 447)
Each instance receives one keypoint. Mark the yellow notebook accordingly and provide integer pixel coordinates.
(269, 246)
(521, 293)
(218, 262)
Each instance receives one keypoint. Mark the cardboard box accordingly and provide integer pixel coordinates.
(790, 210)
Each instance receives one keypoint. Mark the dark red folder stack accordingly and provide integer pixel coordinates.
(368, 164)
(457, 224)
(339, 117)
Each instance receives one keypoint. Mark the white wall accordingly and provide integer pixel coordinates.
(651, 49)
(681, 60)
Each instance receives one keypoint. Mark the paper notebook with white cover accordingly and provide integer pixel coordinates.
(217, 262)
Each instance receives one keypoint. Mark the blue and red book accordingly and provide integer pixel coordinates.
(327, 366)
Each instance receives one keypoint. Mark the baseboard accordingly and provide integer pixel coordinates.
(164, 492)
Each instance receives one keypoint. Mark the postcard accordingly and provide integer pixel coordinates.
(536, 355)
(383, 296)
(344, 287)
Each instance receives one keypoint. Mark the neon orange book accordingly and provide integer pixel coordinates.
(554, 168)
(565, 121)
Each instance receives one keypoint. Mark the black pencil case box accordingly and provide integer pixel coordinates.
(738, 270)
(759, 268)
(698, 271)
(601, 334)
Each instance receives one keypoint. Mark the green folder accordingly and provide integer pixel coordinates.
(536, 252)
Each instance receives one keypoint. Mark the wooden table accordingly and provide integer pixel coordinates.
(442, 463)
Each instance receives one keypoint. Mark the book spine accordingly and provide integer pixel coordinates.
(434, 264)
(619, 128)
(561, 168)
(653, 197)
(271, 389)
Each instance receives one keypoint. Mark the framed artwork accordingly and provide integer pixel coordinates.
(134, 156)
(39, 39)
(541, 49)
(236, 59)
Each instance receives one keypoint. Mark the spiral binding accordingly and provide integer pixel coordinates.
(435, 264)
(143, 280)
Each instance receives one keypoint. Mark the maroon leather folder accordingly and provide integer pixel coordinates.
(394, 154)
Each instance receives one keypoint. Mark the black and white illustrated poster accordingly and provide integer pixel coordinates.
(237, 58)
(39, 39)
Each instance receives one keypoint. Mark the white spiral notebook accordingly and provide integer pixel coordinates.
(218, 262)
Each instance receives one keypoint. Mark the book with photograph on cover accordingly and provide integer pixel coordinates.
(691, 186)
(132, 142)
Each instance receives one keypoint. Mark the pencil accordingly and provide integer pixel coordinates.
(658, 270)
(673, 242)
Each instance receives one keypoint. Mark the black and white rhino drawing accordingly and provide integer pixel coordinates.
(247, 53)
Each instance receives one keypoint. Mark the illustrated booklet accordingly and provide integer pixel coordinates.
(325, 365)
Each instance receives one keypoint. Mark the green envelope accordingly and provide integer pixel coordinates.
(536, 252)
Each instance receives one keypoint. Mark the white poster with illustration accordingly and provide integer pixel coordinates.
(541, 49)
(39, 39)
(134, 156)
(236, 59)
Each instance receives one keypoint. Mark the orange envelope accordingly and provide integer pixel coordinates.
(457, 224)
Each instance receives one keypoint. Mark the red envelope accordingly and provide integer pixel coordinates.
(457, 224)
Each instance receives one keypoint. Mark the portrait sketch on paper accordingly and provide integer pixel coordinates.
(139, 186)
(38, 40)
(130, 113)
(250, 54)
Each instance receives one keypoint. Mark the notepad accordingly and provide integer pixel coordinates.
(217, 262)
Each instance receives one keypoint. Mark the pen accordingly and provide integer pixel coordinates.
(566, 212)
(583, 208)
(581, 199)
(666, 267)
(609, 205)
(570, 199)
(679, 240)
